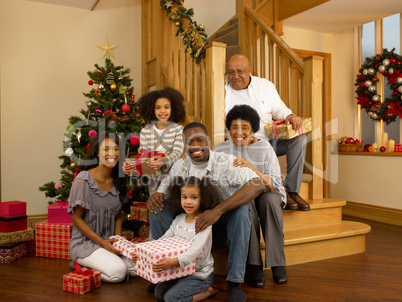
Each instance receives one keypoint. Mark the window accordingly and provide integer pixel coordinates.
(375, 36)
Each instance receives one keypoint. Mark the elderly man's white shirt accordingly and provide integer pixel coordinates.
(261, 94)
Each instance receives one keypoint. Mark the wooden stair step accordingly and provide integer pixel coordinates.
(316, 244)
(323, 212)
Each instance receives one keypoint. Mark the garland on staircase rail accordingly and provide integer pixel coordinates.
(192, 34)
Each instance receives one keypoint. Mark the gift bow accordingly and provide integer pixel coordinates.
(144, 154)
(280, 122)
(87, 272)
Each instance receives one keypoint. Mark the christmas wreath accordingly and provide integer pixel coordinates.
(192, 34)
(389, 65)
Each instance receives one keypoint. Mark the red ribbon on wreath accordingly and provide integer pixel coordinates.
(87, 272)
(144, 154)
(280, 122)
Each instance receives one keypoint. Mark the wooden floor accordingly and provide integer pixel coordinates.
(375, 275)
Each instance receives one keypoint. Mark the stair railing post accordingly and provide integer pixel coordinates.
(313, 79)
(214, 117)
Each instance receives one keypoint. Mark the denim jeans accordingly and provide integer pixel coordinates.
(232, 229)
(182, 289)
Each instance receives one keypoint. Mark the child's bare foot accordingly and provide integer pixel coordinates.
(210, 292)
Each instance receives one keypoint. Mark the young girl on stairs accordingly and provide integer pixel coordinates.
(190, 196)
(162, 110)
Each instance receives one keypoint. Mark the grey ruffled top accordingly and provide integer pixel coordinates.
(101, 209)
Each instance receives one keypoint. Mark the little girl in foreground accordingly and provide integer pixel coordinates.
(191, 196)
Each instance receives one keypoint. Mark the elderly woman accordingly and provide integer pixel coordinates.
(242, 121)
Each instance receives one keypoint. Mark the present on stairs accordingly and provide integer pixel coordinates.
(280, 130)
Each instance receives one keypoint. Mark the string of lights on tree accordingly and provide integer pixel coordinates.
(192, 34)
(389, 64)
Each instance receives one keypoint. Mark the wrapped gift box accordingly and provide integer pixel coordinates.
(19, 236)
(57, 212)
(53, 239)
(140, 163)
(13, 251)
(123, 245)
(13, 223)
(81, 281)
(280, 130)
(144, 230)
(398, 148)
(139, 240)
(13, 208)
(150, 252)
(139, 211)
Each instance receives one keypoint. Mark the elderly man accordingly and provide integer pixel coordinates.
(243, 88)
(231, 218)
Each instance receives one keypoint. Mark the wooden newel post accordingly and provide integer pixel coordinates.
(214, 115)
(313, 78)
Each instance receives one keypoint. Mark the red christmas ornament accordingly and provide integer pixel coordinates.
(132, 99)
(90, 82)
(383, 149)
(378, 58)
(76, 171)
(135, 140)
(357, 142)
(126, 108)
(107, 112)
(92, 133)
(374, 79)
(392, 60)
(86, 148)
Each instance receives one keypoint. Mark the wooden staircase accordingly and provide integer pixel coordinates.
(314, 235)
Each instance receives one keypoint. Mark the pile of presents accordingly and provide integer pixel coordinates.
(16, 239)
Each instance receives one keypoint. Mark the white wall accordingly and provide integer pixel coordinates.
(212, 13)
(46, 51)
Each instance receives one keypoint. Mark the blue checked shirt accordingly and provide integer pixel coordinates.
(220, 169)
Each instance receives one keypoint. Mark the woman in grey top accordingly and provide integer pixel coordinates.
(95, 202)
(242, 121)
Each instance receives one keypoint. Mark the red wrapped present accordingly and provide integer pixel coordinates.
(13, 251)
(81, 281)
(150, 252)
(57, 212)
(140, 162)
(398, 148)
(13, 223)
(139, 211)
(53, 239)
(123, 245)
(13, 208)
(18, 236)
(280, 130)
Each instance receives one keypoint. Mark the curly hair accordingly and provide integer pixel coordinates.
(245, 113)
(210, 196)
(146, 105)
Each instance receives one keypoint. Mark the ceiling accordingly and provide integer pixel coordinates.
(84, 4)
(338, 15)
(331, 17)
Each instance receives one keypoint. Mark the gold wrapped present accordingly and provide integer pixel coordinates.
(144, 230)
(139, 211)
(18, 236)
(279, 129)
(140, 162)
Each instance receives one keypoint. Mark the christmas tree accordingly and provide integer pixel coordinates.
(111, 107)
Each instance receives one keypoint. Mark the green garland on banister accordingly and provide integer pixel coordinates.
(192, 34)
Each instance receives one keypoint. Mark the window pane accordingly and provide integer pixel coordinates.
(391, 39)
(368, 50)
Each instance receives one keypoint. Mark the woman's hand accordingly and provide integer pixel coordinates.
(156, 162)
(108, 245)
(241, 162)
(127, 168)
(164, 264)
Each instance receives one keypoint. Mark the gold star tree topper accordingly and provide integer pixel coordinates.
(107, 49)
